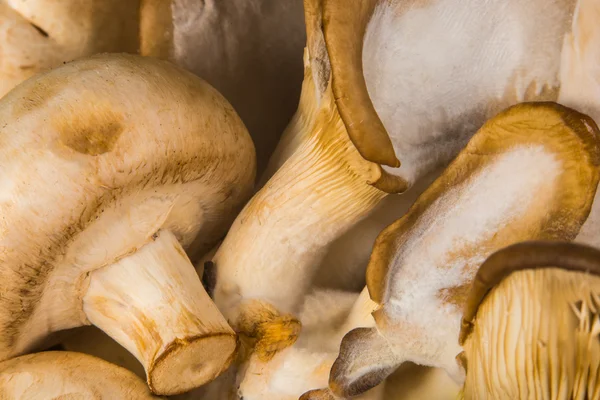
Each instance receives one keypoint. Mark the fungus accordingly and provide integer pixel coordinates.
(363, 111)
(66, 375)
(529, 173)
(112, 167)
(530, 325)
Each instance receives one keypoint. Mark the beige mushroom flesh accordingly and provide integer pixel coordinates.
(361, 114)
(530, 327)
(67, 375)
(113, 168)
(529, 173)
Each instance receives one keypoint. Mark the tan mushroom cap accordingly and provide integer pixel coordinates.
(530, 328)
(62, 375)
(126, 160)
(42, 34)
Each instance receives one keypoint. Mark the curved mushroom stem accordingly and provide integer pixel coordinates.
(154, 305)
(320, 192)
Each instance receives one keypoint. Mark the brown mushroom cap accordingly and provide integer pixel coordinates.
(58, 375)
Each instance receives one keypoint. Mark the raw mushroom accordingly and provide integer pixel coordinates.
(361, 113)
(531, 172)
(249, 50)
(530, 326)
(66, 375)
(110, 168)
(36, 35)
(326, 316)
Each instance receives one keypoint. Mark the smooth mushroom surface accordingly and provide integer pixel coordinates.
(392, 90)
(531, 172)
(36, 35)
(530, 326)
(112, 169)
(67, 375)
(249, 50)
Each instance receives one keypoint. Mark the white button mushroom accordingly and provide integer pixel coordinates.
(530, 173)
(111, 167)
(66, 375)
(531, 324)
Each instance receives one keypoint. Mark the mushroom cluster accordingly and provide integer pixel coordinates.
(426, 227)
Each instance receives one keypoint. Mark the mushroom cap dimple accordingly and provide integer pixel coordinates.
(55, 374)
(105, 151)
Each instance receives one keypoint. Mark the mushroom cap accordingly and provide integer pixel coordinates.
(533, 315)
(42, 34)
(58, 374)
(571, 137)
(106, 151)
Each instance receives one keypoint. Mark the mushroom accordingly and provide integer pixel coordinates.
(249, 50)
(326, 316)
(530, 324)
(128, 161)
(362, 112)
(36, 35)
(531, 172)
(66, 375)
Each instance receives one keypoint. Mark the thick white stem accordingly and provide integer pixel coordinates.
(154, 305)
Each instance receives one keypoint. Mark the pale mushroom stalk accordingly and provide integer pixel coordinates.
(530, 326)
(529, 173)
(118, 156)
(67, 375)
(323, 187)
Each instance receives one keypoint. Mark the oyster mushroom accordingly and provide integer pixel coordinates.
(62, 375)
(530, 324)
(529, 173)
(361, 114)
(129, 162)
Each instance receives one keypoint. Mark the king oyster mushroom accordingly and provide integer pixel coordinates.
(531, 172)
(111, 167)
(66, 375)
(363, 111)
(249, 50)
(530, 325)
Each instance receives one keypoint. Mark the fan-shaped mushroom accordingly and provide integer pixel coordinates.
(111, 167)
(530, 326)
(66, 375)
(531, 172)
(363, 109)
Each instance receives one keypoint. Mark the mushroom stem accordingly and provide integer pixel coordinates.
(154, 305)
(320, 192)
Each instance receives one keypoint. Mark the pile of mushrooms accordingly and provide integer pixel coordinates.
(426, 139)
